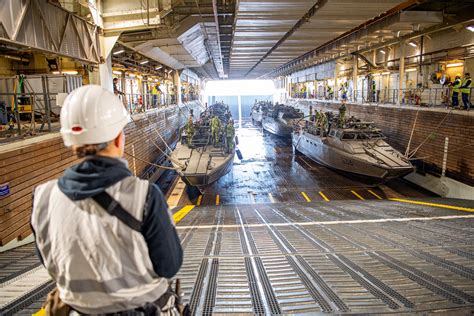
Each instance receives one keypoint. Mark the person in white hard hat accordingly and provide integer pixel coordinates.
(106, 237)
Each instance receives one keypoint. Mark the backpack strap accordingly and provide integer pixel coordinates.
(113, 208)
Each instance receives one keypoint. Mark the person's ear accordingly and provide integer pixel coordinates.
(119, 140)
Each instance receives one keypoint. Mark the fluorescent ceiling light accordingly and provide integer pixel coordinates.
(131, 75)
(144, 62)
(158, 67)
(116, 72)
(454, 65)
(376, 75)
(410, 70)
(382, 51)
(412, 44)
(70, 72)
(119, 52)
(470, 28)
(386, 73)
(56, 73)
(140, 77)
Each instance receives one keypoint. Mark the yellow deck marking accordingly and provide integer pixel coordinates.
(452, 207)
(305, 197)
(179, 215)
(323, 196)
(357, 194)
(217, 199)
(375, 194)
(199, 200)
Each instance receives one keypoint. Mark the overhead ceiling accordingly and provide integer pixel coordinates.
(260, 25)
(249, 39)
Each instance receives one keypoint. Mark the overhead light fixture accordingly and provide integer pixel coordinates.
(56, 73)
(119, 52)
(454, 65)
(131, 75)
(412, 44)
(410, 70)
(116, 72)
(144, 62)
(386, 73)
(470, 28)
(140, 77)
(382, 51)
(70, 72)
(158, 67)
(376, 75)
(156, 80)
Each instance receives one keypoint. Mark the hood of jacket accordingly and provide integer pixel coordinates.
(92, 176)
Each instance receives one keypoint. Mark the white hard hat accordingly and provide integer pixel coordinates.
(92, 115)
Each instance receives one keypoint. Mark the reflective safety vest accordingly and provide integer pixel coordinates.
(457, 85)
(466, 85)
(100, 265)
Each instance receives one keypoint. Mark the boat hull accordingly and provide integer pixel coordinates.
(314, 148)
(276, 127)
(209, 176)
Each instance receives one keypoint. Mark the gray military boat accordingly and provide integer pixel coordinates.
(358, 148)
(257, 111)
(279, 119)
(198, 161)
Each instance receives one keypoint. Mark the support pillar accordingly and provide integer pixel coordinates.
(335, 88)
(105, 74)
(355, 70)
(177, 84)
(239, 102)
(401, 72)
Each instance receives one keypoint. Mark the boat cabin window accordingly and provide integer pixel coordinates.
(332, 133)
(349, 136)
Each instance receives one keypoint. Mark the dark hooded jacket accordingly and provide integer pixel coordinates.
(95, 174)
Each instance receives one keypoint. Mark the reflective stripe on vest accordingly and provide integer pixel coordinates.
(99, 264)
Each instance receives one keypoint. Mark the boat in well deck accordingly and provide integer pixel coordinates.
(357, 148)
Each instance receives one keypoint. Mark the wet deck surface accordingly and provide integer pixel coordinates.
(268, 249)
(270, 173)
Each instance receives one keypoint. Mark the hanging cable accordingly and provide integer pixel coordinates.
(156, 145)
(150, 163)
(429, 135)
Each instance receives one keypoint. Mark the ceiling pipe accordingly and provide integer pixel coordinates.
(305, 18)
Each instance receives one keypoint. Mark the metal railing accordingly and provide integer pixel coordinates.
(430, 97)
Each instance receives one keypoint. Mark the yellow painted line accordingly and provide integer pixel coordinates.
(179, 215)
(217, 199)
(199, 200)
(452, 207)
(323, 196)
(375, 194)
(305, 197)
(357, 194)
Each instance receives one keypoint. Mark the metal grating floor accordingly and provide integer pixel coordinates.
(339, 257)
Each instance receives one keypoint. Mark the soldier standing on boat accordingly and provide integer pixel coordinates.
(189, 130)
(215, 126)
(342, 115)
(230, 133)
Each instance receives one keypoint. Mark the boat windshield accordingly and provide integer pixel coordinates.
(362, 135)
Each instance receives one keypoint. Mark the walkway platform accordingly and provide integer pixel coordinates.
(349, 257)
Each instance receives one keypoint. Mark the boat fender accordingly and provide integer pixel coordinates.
(239, 154)
(236, 139)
